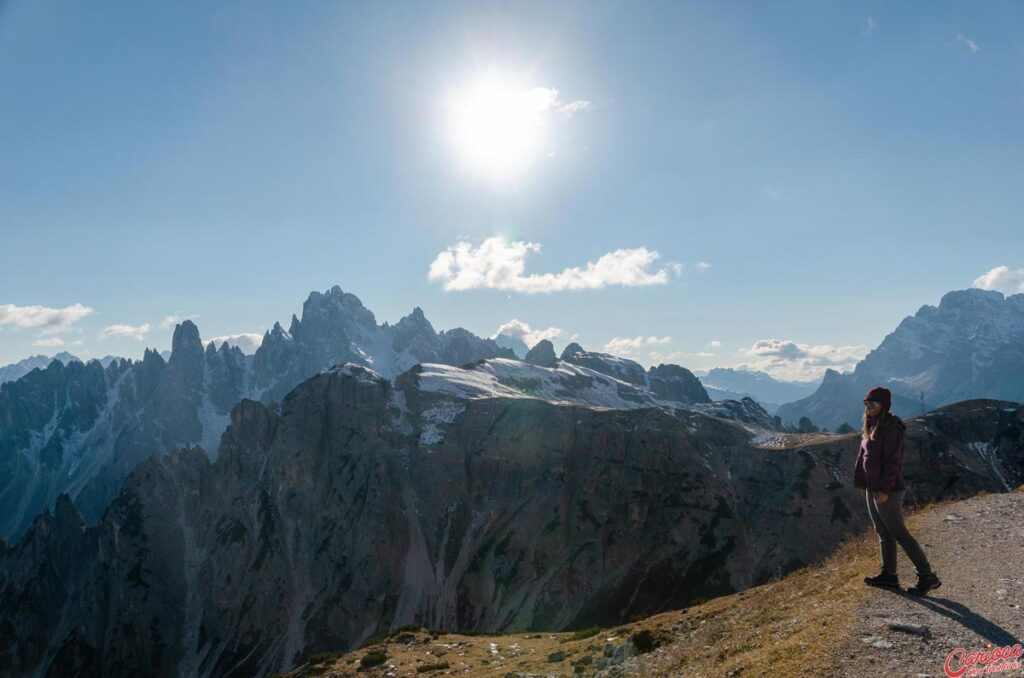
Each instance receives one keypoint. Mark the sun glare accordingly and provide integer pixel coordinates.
(497, 128)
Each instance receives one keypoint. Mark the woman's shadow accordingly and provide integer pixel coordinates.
(964, 616)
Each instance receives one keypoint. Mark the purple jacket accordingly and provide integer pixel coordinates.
(880, 462)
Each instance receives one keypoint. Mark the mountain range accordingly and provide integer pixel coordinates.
(80, 428)
(970, 346)
(17, 370)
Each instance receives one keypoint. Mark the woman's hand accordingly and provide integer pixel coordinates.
(880, 497)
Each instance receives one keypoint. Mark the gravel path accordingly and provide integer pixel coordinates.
(977, 548)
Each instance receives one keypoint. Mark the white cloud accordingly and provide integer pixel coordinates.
(972, 46)
(1001, 278)
(704, 354)
(658, 358)
(791, 360)
(517, 329)
(47, 320)
(546, 99)
(630, 346)
(703, 266)
(716, 343)
(49, 343)
(248, 342)
(136, 332)
(872, 24)
(499, 264)
(172, 320)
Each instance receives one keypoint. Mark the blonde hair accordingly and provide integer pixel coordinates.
(870, 431)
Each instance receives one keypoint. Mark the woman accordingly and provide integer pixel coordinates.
(879, 474)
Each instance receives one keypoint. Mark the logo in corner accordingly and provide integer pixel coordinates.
(960, 662)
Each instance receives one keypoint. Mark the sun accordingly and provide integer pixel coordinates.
(497, 128)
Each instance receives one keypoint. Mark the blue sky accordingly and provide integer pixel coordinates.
(771, 184)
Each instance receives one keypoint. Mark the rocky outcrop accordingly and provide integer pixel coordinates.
(669, 382)
(967, 347)
(673, 382)
(543, 354)
(623, 369)
(334, 516)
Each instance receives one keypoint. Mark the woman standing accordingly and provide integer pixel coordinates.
(879, 472)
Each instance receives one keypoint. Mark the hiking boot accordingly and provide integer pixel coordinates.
(885, 579)
(925, 583)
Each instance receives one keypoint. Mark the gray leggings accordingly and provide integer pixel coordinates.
(887, 517)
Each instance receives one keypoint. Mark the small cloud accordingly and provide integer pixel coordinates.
(573, 107)
(631, 346)
(172, 320)
(136, 332)
(517, 329)
(47, 320)
(702, 266)
(247, 342)
(499, 264)
(774, 347)
(704, 354)
(546, 99)
(716, 344)
(1001, 278)
(872, 24)
(971, 46)
(52, 342)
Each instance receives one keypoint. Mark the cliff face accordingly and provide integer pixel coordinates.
(359, 505)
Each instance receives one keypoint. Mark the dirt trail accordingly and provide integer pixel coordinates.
(977, 548)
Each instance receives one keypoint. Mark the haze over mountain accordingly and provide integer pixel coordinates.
(19, 369)
(724, 382)
(970, 346)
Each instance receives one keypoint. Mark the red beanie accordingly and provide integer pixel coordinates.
(880, 395)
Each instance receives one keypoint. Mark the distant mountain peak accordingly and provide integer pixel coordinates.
(186, 339)
(571, 349)
(969, 297)
(415, 319)
(335, 304)
(542, 353)
(278, 332)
